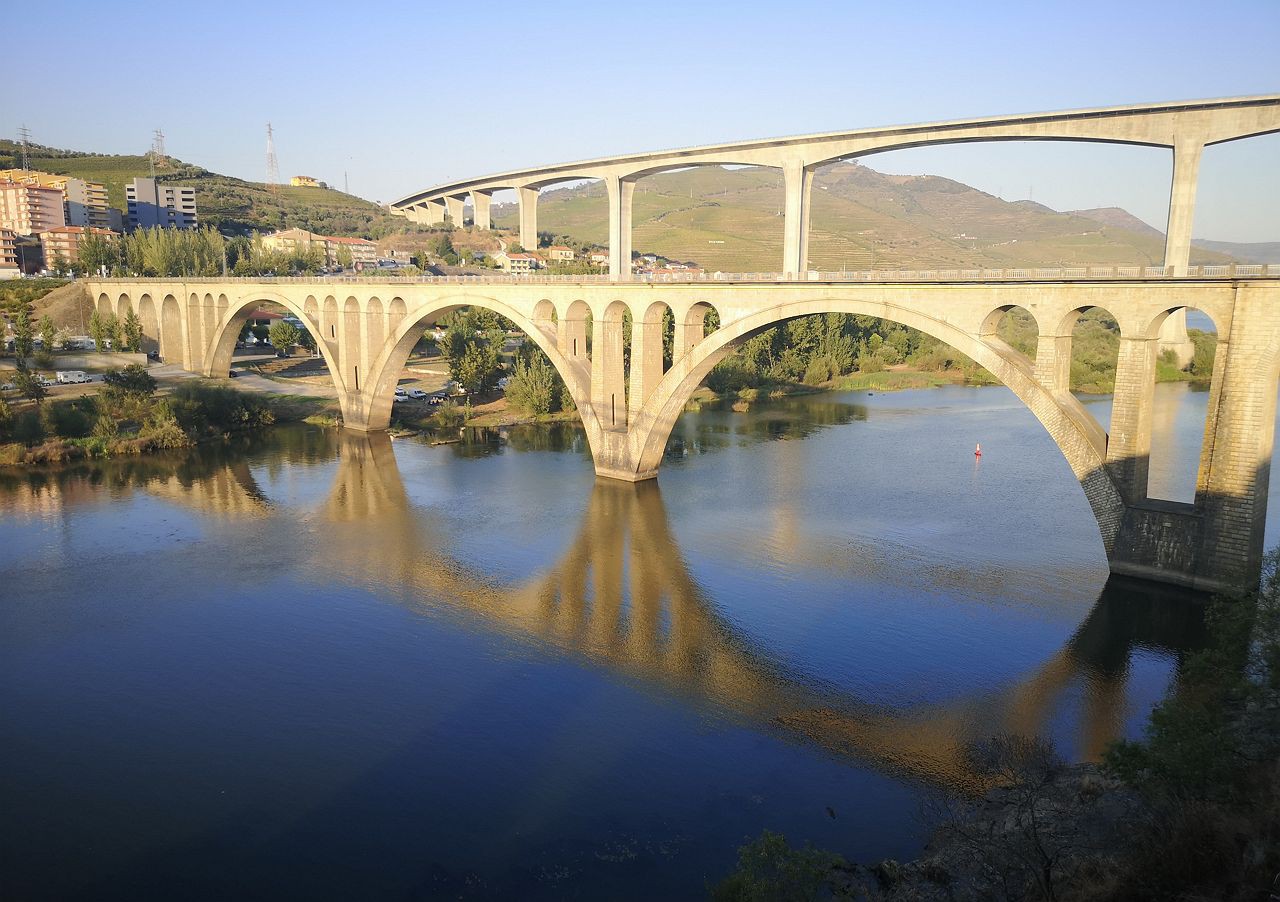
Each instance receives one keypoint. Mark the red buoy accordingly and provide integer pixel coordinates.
(977, 452)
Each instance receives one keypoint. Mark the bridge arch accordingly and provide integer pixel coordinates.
(171, 344)
(386, 367)
(1070, 427)
(221, 346)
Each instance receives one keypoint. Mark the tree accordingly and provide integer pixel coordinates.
(132, 331)
(48, 333)
(284, 334)
(115, 331)
(98, 330)
(133, 380)
(59, 264)
(344, 256)
(29, 384)
(535, 386)
(478, 368)
(307, 340)
(23, 342)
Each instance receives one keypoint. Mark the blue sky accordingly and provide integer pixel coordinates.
(404, 97)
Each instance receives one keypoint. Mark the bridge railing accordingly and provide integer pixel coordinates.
(1010, 274)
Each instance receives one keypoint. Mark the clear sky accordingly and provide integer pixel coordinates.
(402, 97)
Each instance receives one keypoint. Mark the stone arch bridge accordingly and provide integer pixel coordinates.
(365, 330)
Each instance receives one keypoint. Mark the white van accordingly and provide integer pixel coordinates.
(72, 377)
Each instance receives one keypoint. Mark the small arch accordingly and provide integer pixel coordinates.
(574, 330)
(329, 320)
(1014, 331)
(1180, 404)
(104, 305)
(396, 312)
(123, 305)
(375, 324)
(171, 330)
(610, 355)
(150, 323)
(698, 321)
(1094, 355)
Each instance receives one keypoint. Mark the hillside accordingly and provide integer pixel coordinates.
(731, 220)
(229, 203)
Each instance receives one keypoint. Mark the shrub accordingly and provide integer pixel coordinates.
(28, 429)
(161, 430)
(450, 416)
(769, 870)
(68, 419)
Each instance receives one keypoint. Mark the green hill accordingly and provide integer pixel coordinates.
(231, 204)
(731, 220)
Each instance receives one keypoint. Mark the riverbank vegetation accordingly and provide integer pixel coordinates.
(128, 417)
(1191, 811)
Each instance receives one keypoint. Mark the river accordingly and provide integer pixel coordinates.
(308, 665)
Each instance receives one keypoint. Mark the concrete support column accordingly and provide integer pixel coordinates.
(608, 375)
(621, 193)
(454, 208)
(1235, 460)
(798, 182)
(689, 330)
(1053, 362)
(528, 198)
(1129, 438)
(1174, 337)
(480, 200)
(434, 214)
(1182, 206)
(646, 359)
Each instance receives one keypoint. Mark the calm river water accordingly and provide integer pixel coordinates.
(314, 666)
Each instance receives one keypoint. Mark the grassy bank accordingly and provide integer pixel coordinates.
(128, 417)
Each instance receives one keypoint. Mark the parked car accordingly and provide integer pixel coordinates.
(435, 399)
(417, 394)
(8, 386)
(73, 377)
(400, 392)
(398, 398)
(232, 374)
(153, 355)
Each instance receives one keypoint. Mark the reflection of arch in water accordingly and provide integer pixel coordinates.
(621, 595)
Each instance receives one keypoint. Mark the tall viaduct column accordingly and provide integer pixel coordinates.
(621, 192)
(454, 208)
(1177, 242)
(528, 198)
(434, 214)
(480, 201)
(798, 182)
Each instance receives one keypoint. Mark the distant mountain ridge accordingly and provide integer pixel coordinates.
(731, 220)
(232, 204)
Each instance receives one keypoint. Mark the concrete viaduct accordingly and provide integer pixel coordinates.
(366, 330)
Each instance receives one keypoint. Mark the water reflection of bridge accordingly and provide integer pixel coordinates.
(622, 596)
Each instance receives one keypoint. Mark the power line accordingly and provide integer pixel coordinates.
(157, 154)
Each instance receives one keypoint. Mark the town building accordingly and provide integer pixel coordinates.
(292, 240)
(363, 253)
(8, 255)
(155, 205)
(29, 209)
(600, 258)
(84, 203)
(559, 252)
(518, 263)
(306, 181)
(64, 242)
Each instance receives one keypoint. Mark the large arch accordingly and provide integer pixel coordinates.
(220, 348)
(386, 367)
(1072, 429)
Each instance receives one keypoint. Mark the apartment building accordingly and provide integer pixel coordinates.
(8, 254)
(29, 209)
(64, 242)
(84, 203)
(156, 205)
(363, 253)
